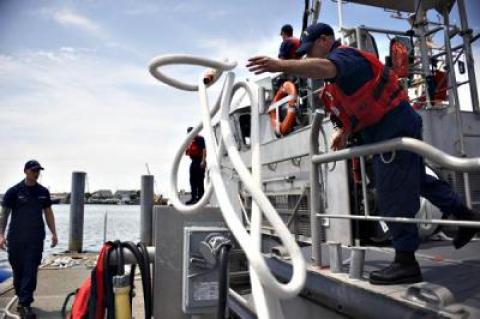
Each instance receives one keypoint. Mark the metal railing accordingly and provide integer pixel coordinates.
(265, 287)
(423, 149)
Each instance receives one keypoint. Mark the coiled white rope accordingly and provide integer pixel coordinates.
(254, 255)
(155, 64)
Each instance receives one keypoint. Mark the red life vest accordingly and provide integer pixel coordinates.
(194, 150)
(295, 44)
(91, 295)
(399, 51)
(370, 102)
(441, 86)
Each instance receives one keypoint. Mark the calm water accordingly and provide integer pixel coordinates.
(123, 223)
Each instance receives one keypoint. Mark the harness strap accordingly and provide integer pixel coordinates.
(377, 92)
(394, 94)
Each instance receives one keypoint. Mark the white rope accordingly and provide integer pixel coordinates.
(189, 60)
(232, 219)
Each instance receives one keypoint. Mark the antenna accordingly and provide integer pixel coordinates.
(148, 169)
(155, 187)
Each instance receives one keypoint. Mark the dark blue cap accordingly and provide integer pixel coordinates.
(287, 28)
(311, 34)
(33, 165)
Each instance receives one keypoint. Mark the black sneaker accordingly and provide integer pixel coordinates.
(396, 274)
(465, 234)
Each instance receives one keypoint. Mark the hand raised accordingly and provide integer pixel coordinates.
(262, 64)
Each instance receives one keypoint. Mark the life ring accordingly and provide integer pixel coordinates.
(284, 127)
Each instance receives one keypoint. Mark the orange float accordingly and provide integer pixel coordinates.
(284, 127)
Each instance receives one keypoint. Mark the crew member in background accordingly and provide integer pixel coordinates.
(26, 202)
(290, 44)
(197, 152)
(367, 100)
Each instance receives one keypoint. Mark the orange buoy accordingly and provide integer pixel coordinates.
(284, 127)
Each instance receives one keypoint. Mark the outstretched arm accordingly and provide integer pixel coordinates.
(314, 68)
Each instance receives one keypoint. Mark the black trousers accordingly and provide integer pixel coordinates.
(25, 257)
(197, 174)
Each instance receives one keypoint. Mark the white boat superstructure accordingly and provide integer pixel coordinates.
(292, 205)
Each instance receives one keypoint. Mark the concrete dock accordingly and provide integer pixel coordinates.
(55, 283)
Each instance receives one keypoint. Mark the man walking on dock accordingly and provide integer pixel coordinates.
(197, 152)
(367, 100)
(26, 202)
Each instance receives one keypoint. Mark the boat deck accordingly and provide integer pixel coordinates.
(451, 288)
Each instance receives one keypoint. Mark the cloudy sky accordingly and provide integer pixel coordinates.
(75, 90)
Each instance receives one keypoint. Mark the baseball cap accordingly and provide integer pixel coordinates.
(312, 33)
(33, 164)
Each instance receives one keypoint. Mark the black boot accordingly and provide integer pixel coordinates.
(403, 270)
(26, 312)
(191, 202)
(465, 234)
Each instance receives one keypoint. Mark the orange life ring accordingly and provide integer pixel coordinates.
(285, 126)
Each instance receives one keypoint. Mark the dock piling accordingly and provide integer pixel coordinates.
(146, 209)
(77, 202)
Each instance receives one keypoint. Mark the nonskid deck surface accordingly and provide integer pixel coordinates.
(441, 264)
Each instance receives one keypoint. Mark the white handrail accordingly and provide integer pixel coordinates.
(245, 240)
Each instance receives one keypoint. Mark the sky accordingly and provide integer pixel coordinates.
(76, 94)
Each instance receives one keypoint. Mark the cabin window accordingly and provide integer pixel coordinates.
(244, 122)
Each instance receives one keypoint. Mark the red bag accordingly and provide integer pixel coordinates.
(82, 297)
(90, 297)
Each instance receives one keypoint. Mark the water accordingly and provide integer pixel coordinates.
(123, 224)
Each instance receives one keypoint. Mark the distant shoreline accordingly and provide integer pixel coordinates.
(102, 204)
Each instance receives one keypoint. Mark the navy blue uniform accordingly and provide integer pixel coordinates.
(26, 234)
(197, 172)
(399, 183)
